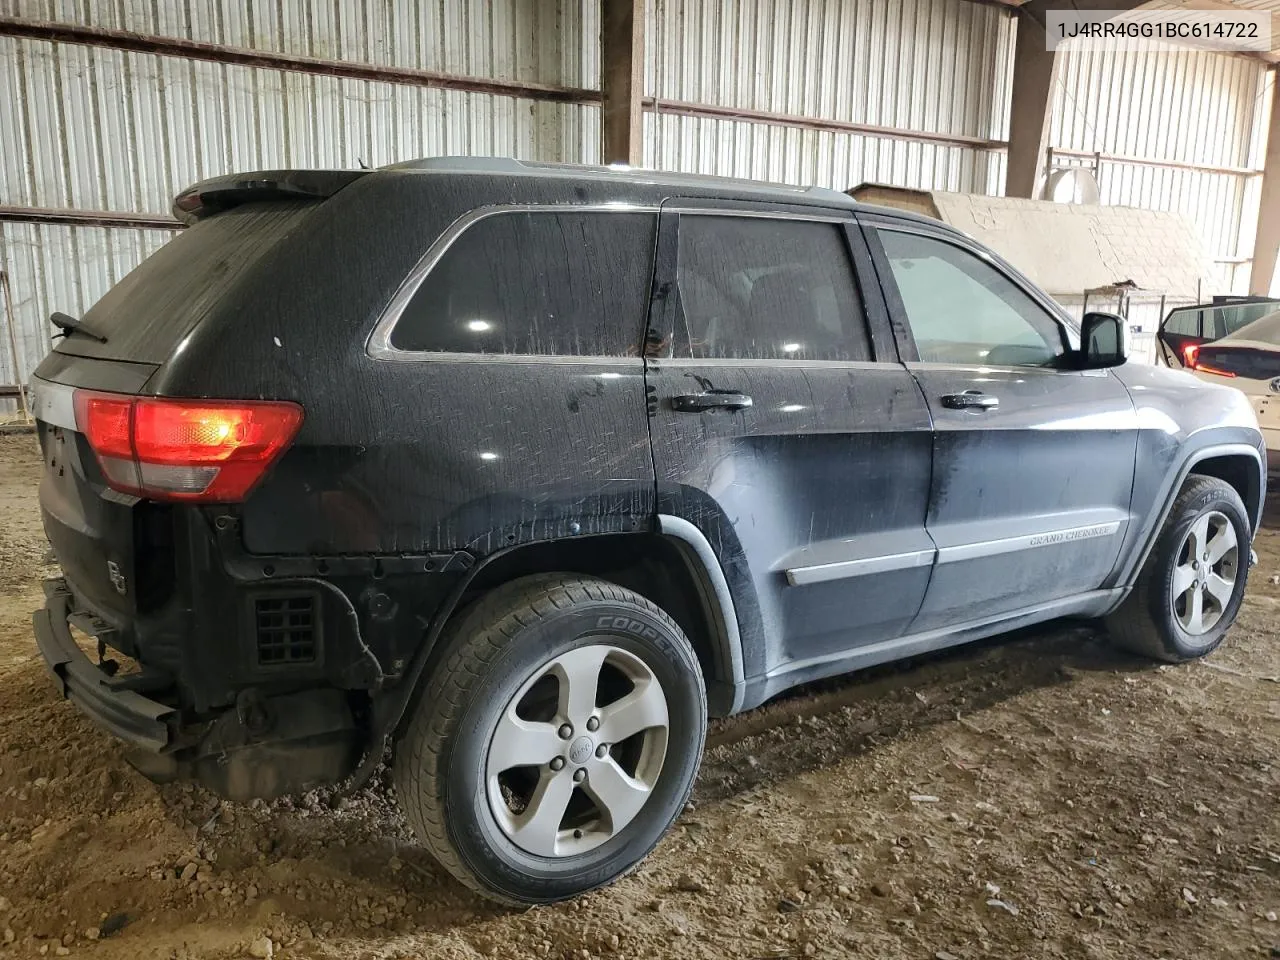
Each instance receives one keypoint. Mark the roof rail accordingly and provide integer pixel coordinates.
(827, 193)
(471, 164)
(514, 166)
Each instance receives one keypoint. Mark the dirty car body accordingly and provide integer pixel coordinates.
(832, 490)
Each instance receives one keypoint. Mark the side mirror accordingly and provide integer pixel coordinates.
(1101, 341)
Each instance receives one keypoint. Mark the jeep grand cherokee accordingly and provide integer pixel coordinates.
(527, 470)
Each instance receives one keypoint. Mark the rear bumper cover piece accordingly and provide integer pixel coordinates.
(137, 720)
(263, 747)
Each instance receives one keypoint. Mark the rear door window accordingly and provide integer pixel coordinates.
(1184, 323)
(766, 288)
(560, 282)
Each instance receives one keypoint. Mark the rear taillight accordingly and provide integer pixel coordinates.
(211, 451)
(1191, 360)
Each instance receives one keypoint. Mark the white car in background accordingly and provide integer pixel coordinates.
(1242, 350)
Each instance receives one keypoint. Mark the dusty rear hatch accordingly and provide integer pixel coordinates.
(117, 549)
(146, 316)
(96, 533)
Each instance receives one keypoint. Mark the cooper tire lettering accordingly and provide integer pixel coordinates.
(627, 625)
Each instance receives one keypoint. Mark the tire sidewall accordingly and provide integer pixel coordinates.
(1183, 645)
(474, 832)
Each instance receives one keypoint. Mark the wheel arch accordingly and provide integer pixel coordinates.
(675, 567)
(1239, 464)
(1245, 473)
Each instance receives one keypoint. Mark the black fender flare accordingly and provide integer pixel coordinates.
(1128, 568)
(389, 710)
(719, 600)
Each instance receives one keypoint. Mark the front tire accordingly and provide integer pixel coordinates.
(556, 741)
(1191, 586)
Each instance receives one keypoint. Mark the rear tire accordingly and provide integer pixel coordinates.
(1191, 586)
(556, 740)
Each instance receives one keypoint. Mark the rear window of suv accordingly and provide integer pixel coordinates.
(1212, 323)
(152, 310)
(561, 282)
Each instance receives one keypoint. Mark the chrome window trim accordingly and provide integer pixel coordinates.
(379, 347)
(1000, 368)
(759, 214)
(539, 358)
(657, 363)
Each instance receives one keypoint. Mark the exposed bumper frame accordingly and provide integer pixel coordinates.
(139, 721)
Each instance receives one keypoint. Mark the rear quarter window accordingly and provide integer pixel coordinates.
(559, 282)
(1227, 320)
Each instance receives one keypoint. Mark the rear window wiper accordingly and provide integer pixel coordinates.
(69, 325)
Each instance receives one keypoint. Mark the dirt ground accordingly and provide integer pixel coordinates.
(1043, 796)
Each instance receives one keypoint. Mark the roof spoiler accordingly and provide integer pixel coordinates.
(208, 197)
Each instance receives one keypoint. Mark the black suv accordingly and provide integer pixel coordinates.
(527, 470)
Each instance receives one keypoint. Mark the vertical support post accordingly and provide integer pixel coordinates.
(622, 81)
(13, 345)
(1266, 242)
(1034, 74)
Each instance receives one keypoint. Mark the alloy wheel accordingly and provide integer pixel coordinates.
(1204, 576)
(577, 751)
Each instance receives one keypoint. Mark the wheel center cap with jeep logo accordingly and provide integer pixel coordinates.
(581, 750)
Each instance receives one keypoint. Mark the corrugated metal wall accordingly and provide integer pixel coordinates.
(94, 129)
(762, 151)
(87, 128)
(64, 268)
(952, 62)
(505, 39)
(90, 128)
(1191, 108)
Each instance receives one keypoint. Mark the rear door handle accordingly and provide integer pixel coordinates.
(711, 400)
(970, 400)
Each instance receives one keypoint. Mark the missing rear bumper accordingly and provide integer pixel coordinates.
(139, 721)
(265, 746)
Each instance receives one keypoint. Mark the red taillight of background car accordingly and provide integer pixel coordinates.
(207, 451)
(1191, 360)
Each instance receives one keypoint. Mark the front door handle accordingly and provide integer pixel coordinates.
(711, 400)
(970, 400)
